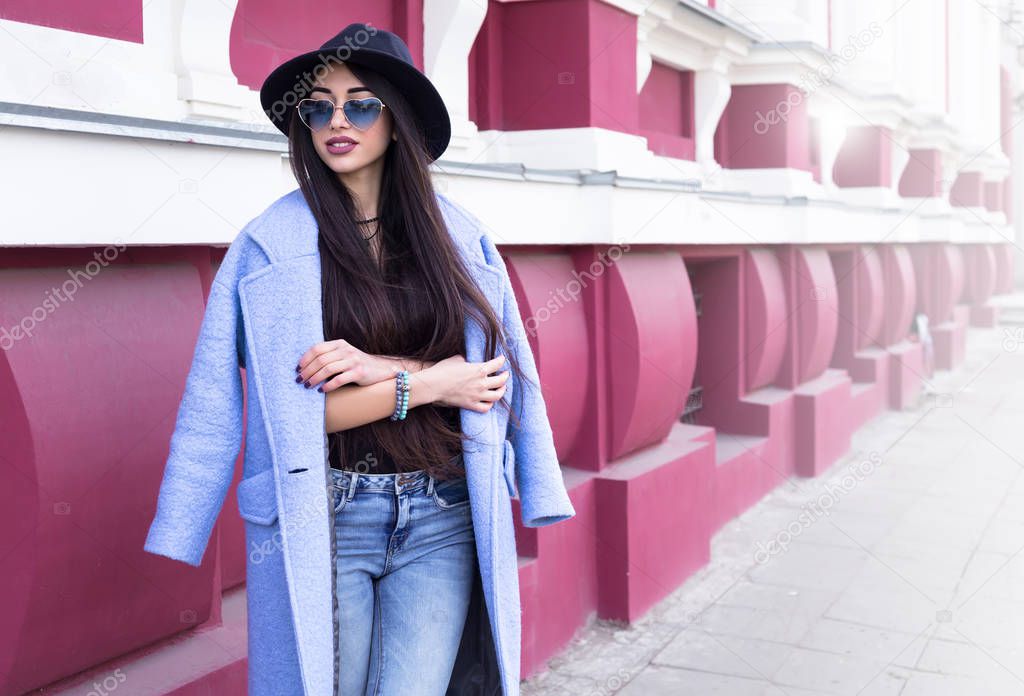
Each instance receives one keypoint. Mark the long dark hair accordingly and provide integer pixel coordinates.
(416, 252)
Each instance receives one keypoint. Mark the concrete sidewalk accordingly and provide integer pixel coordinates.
(898, 572)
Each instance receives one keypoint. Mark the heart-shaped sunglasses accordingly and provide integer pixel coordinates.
(360, 113)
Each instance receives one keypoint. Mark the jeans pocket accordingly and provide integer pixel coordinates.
(339, 497)
(451, 493)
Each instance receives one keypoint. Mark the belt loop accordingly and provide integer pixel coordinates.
(430, 485)
(352, 485)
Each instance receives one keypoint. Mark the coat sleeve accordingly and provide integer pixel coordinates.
(207, 434)
(542, 494)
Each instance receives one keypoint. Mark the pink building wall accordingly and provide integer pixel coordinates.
(666, 111)
(114, 19)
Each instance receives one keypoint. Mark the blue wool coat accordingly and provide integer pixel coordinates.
(264, 311)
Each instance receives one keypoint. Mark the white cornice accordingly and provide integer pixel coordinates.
(769, 63)
(675, 33)
(934, 132)
(634, 7)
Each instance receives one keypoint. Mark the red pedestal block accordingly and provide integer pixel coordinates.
(870, 388)
(968, 190)
(209, 660)
(823, 422)
(981, 282)
(265, 33)
(869, 365)
(984, 316)
(1004, 266)
(764, 126)
(666, 103)
(906, 372)
(653, 527)
(950, 339)
(558, 575)
(922, 177)
(744, 472)
(867, 400)
(750, 465)
(580, 59)
(864, 158)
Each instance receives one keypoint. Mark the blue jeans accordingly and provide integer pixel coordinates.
(405, 557)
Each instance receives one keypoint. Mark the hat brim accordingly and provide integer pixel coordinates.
(290, 78)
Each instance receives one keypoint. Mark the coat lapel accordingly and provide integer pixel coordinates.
(283, 317)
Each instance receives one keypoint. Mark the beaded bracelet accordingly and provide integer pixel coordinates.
(401, 395)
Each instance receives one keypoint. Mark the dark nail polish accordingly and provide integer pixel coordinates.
(320, 389)
(307, 384)
(298, 368)
(298, 379)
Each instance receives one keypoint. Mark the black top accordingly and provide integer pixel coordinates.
(420, 330)
(384, 464)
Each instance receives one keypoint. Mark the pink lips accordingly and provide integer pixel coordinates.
(340, 145)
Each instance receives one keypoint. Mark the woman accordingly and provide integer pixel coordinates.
(372, 484)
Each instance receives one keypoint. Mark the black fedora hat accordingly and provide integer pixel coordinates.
(374, 48)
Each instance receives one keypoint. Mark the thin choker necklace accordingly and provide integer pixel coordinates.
(363, 222)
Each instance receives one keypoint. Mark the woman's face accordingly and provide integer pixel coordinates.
(332, 142)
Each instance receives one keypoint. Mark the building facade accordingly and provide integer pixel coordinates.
(726, 223)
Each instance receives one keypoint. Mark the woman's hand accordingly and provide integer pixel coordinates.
(455, 382)
(337, 363)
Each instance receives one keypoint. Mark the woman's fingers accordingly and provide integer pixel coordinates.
(494, 363)
(338, 381)
(494, 381)
(338, 372)
(495, 384)
(487, 399)
(321, 351)
(494, 394)
(312, 354)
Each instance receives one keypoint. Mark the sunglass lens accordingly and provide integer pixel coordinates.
(362, 113)
(316, 113)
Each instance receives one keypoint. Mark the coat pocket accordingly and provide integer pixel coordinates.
(257, 498)
(509, 467)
